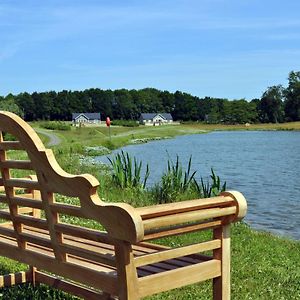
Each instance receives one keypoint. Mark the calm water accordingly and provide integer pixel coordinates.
(263, 165)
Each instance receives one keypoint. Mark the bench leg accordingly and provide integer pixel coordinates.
(127, 275)
(221, 285)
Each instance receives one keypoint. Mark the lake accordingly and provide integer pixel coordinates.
(263, 165)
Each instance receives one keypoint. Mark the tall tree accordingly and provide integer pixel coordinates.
(9, 104)
(271, 105)
(26, 104)
(292, 97)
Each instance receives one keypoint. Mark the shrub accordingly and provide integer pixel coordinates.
(56, 125)
(126, 123)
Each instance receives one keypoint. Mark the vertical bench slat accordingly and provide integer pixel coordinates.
(10, 193)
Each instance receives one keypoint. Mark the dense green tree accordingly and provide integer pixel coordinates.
(101, 101)
(185, 107)
(61, 107)
(292, 97)
(123, 106)
(26, 104)
(129, 104)
(239, 112)
(271, 105)
(8, 104)
(168, 101)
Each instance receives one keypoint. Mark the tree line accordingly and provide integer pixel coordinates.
(277, 104)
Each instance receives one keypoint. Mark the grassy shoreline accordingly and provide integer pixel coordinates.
(122, 136)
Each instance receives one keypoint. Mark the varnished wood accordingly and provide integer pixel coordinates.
(160, 282)
(10, 145)
(221, 284)
(127, 275)
(188, 217)
(116, 261)
(17, 164)
(185, 206)
(69, 287)
(181, 229)
(15, 278)
(177, 252)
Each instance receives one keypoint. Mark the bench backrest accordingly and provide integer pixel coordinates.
(48, 185)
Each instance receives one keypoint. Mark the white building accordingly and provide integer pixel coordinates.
(155, 119)
(91, 118)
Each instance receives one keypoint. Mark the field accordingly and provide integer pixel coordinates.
(263, 266)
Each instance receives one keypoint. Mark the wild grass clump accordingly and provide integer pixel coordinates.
(56, 125)
(209, 189)
(126, 172)
(175, 183)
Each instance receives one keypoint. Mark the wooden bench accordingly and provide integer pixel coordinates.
(120, 261)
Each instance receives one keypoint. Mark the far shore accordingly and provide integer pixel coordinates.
(118, 136)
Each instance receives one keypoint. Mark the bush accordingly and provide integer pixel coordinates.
(126, 123)
(56, 125)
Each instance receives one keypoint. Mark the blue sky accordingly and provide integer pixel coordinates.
(220, 48)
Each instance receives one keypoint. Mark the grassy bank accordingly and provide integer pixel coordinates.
(263, 266)
(262, 126)
(75, 139)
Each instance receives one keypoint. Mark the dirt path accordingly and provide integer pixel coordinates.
(54, 140)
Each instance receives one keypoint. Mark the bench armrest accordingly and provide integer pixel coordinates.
(187, 216)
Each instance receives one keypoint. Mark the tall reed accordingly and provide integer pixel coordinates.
(174, 181)
(126, 172)
(209, 189)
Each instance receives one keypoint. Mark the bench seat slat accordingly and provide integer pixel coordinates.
(77, 270)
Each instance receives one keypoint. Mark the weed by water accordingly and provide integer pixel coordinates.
(126, 171)
(209, 189)
(174, 181)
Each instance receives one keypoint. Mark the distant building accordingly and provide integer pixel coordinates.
(155, 119)
(90, 118)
